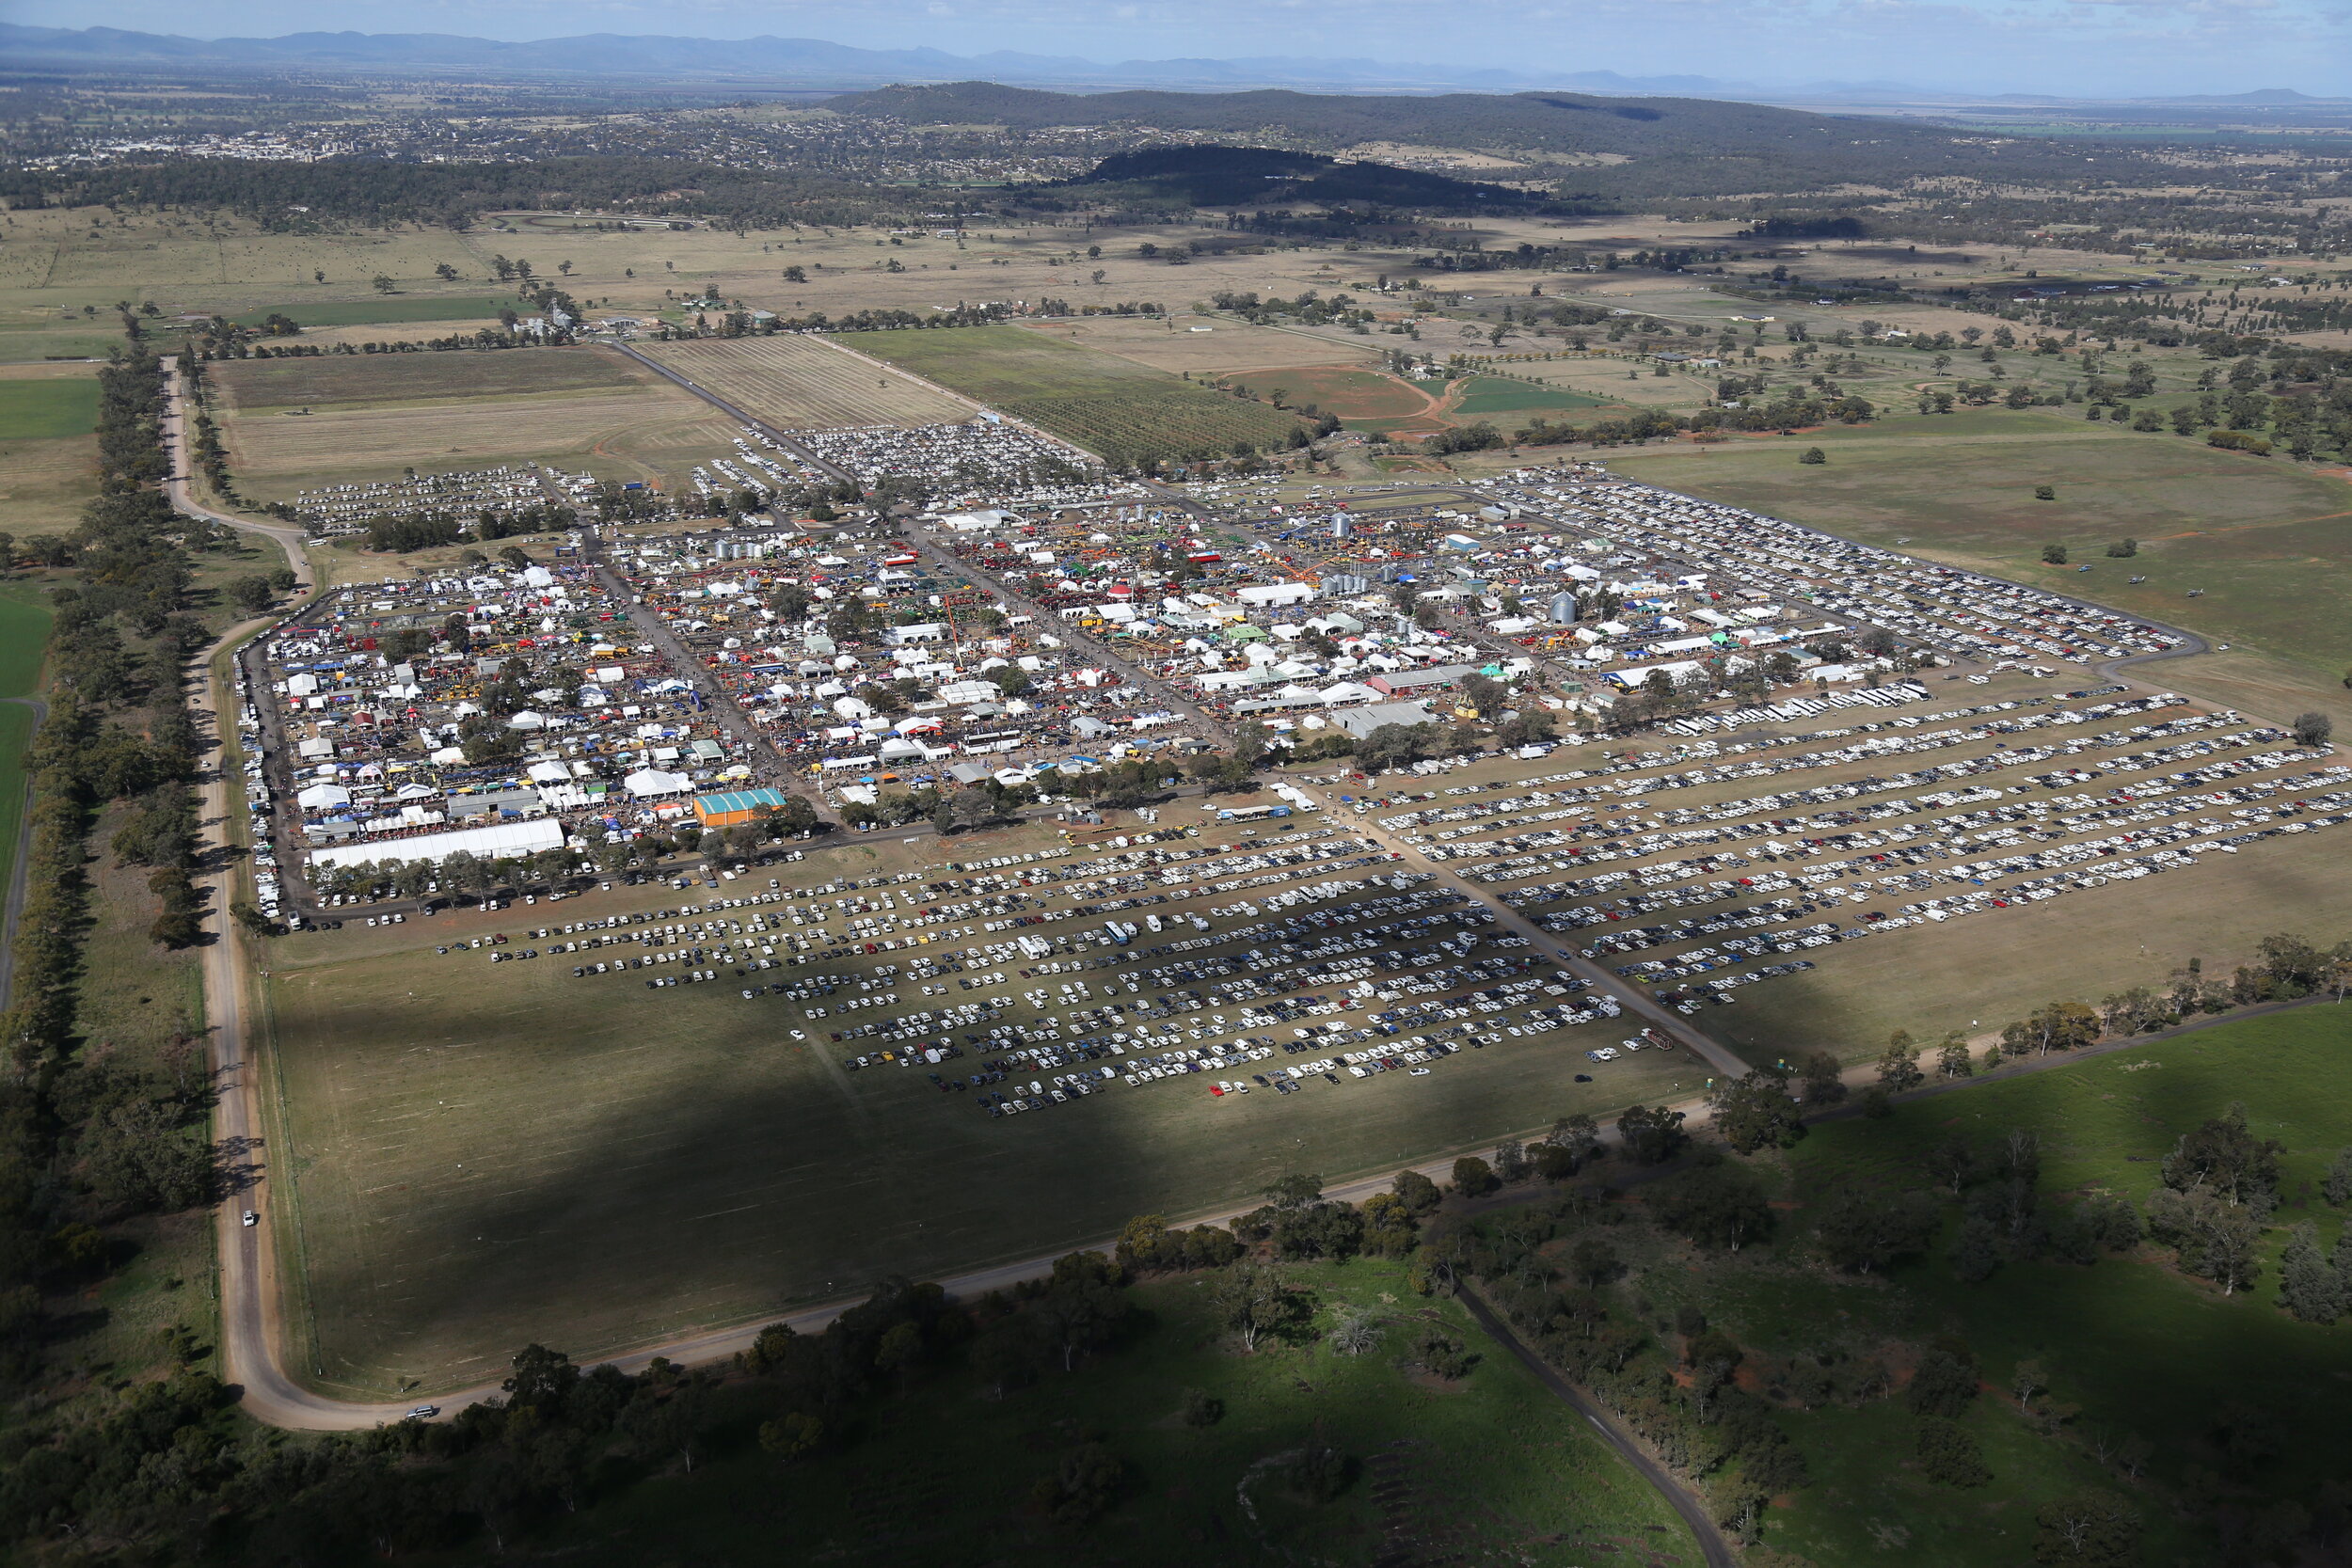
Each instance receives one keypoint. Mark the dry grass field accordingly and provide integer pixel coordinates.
(482, 1155)
(363, 381)
(1210, 347)
(373, 415)
(798, 383)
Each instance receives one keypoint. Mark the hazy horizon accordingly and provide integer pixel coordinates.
(2080, 48)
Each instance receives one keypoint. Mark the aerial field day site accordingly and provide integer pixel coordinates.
(951, 787)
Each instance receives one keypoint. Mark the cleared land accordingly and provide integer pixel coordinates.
(363, 380)
(1492, 1467)
(387, 309)
(2264, 538)
(1382, 404)
(373, 415)
(484, 1154)
(1121, 410)
(796, 383)
(48, 451)
(1206, 347)
(48, 407)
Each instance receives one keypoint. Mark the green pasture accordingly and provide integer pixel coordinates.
(1490, 1468)
(2138, 1346)
(2264, 538)
(1119, 408)
(1488, 395)
(48, 409)
(32, 342)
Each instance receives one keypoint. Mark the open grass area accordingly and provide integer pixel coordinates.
(798, 383)
(24, 617)
(1484, 396)
(1207, 346)
(484, 1154)
(375, 415)
(32, 338)
(374, 380)
(1117, 408)
(47, 408)
(1490, 1468)
(387, 309)
(48, 451)
(2263, 537)
(2136, 1347)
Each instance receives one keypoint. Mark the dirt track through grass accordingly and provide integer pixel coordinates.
(796, 383)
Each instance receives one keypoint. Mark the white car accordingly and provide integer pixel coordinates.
(251, 1219)
(1419, 1072)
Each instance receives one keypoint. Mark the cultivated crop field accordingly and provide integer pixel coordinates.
(482, 1152)
(373, 415)
(801, 383)
(1117, 408)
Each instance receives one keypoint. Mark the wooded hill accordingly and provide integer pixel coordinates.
(1235, 176)
(1675, 146)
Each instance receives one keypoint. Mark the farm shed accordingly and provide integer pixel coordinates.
(735, 807)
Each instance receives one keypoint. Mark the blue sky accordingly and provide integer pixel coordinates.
(2068, 47)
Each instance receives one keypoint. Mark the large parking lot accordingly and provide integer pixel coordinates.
(512, 1134)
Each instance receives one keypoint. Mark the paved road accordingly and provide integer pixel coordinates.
(1712, 1545)
(287, 536)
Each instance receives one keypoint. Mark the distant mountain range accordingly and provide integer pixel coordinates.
(784, 62)
(816, 64)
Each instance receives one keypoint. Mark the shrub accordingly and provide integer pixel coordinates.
(1948, 1452)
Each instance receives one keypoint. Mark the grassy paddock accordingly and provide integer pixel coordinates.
(1488, 1468)
(485, 1154)
(2140, 1347)
(364, 380)
(2262, 537)
(1110, 406)
(48, 408)
(803, 383)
